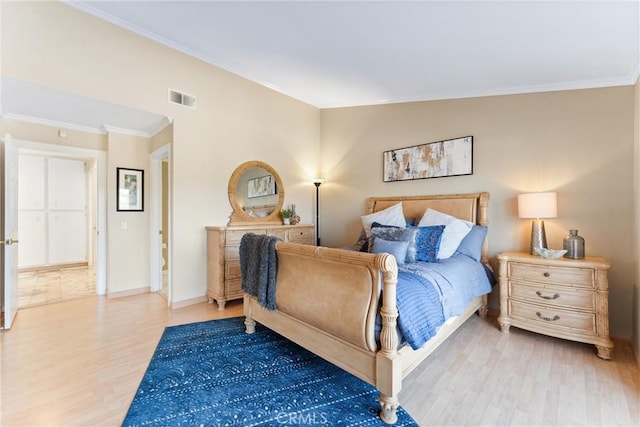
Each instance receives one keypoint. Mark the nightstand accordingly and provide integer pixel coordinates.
(563, 298)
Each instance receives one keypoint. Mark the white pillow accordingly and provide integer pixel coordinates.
(455, 230)
(392, 215)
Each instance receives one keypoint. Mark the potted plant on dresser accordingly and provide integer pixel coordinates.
(286, 215)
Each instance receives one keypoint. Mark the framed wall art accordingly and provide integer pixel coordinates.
(130, 185)
(261, 186)
(451, 157)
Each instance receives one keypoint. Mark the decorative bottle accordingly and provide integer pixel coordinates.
(295, 218)
(574, 245)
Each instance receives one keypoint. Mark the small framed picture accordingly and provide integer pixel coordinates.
(130, 197)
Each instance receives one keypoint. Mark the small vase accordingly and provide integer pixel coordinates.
(286, 221)
(574, 245)
(295, 219)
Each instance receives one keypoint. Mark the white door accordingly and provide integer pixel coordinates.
(10, 229)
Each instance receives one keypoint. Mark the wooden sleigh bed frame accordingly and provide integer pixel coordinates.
(328, 300)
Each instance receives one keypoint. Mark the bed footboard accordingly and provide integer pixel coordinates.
(328, 300)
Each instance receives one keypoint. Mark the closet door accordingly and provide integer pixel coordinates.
(67, 211)
(32, 217)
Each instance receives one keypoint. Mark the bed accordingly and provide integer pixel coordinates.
(330, 300)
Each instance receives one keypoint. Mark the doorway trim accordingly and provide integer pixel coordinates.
(156, 158)
(100, 159)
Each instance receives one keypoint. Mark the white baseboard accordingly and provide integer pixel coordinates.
(187, 302)
(129, 292)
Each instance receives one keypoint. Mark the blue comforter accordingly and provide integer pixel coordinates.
(430, 293)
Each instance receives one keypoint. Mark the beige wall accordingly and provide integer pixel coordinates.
(49, 134)
(578, 143)
(57, 46)
(127, 232)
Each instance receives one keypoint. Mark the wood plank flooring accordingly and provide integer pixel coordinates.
(79, 363)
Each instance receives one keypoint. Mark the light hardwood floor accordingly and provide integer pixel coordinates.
(80, 362)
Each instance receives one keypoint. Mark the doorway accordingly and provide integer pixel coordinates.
(161, 222)
(56, 219)
(61, 218)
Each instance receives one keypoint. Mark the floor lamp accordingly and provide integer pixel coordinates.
(537, 206)
(317, 182)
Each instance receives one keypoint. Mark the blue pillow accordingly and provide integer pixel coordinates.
(428, 242)
(471, 245)
(397, 248)
(365, 242)
(396, 234)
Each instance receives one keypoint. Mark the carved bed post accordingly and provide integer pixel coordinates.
(388, 366)
(249, 323)
(483, 219)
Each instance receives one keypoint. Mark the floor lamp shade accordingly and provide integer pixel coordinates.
(537, 206)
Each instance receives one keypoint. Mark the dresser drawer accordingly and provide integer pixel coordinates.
(232, 269)
(553, 316)
(232, 253)
(233, 237)
(300, 235)
(232, 286)
(582, 277)
(557, 296)
(280, 233)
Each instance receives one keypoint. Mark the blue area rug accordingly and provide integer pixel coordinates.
(214, 374)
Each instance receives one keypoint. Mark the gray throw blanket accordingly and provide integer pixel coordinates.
(258, 267)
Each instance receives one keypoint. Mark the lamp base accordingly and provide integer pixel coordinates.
(538, 236)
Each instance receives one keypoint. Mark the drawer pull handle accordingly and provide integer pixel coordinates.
(555, 296)
(546, 274)
(548, 319)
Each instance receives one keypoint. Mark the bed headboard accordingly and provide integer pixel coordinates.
(470, 207)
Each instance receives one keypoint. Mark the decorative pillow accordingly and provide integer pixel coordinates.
(393, 233)
(392, 215)
(471, 245)
(362, 245)
(397, 248)
(428, 242)
(454, 231)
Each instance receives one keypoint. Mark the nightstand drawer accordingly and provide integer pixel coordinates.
(583, 277)
(553, 316)
(557, 296)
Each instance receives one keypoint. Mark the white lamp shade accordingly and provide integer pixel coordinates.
(537, 205)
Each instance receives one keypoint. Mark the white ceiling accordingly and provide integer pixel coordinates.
(346, 53)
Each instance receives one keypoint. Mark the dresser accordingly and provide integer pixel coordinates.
(563, 298)
(223, 260)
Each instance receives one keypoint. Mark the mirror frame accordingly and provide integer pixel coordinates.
(239, 216)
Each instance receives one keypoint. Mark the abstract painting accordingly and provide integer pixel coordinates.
(433, 160)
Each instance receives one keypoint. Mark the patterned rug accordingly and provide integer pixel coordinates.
(214, 374)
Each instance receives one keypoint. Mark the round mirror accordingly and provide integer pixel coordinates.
(256, 194)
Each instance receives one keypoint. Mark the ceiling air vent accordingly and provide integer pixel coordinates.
(185, 99)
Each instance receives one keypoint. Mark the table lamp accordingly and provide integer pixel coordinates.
(537, 206)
